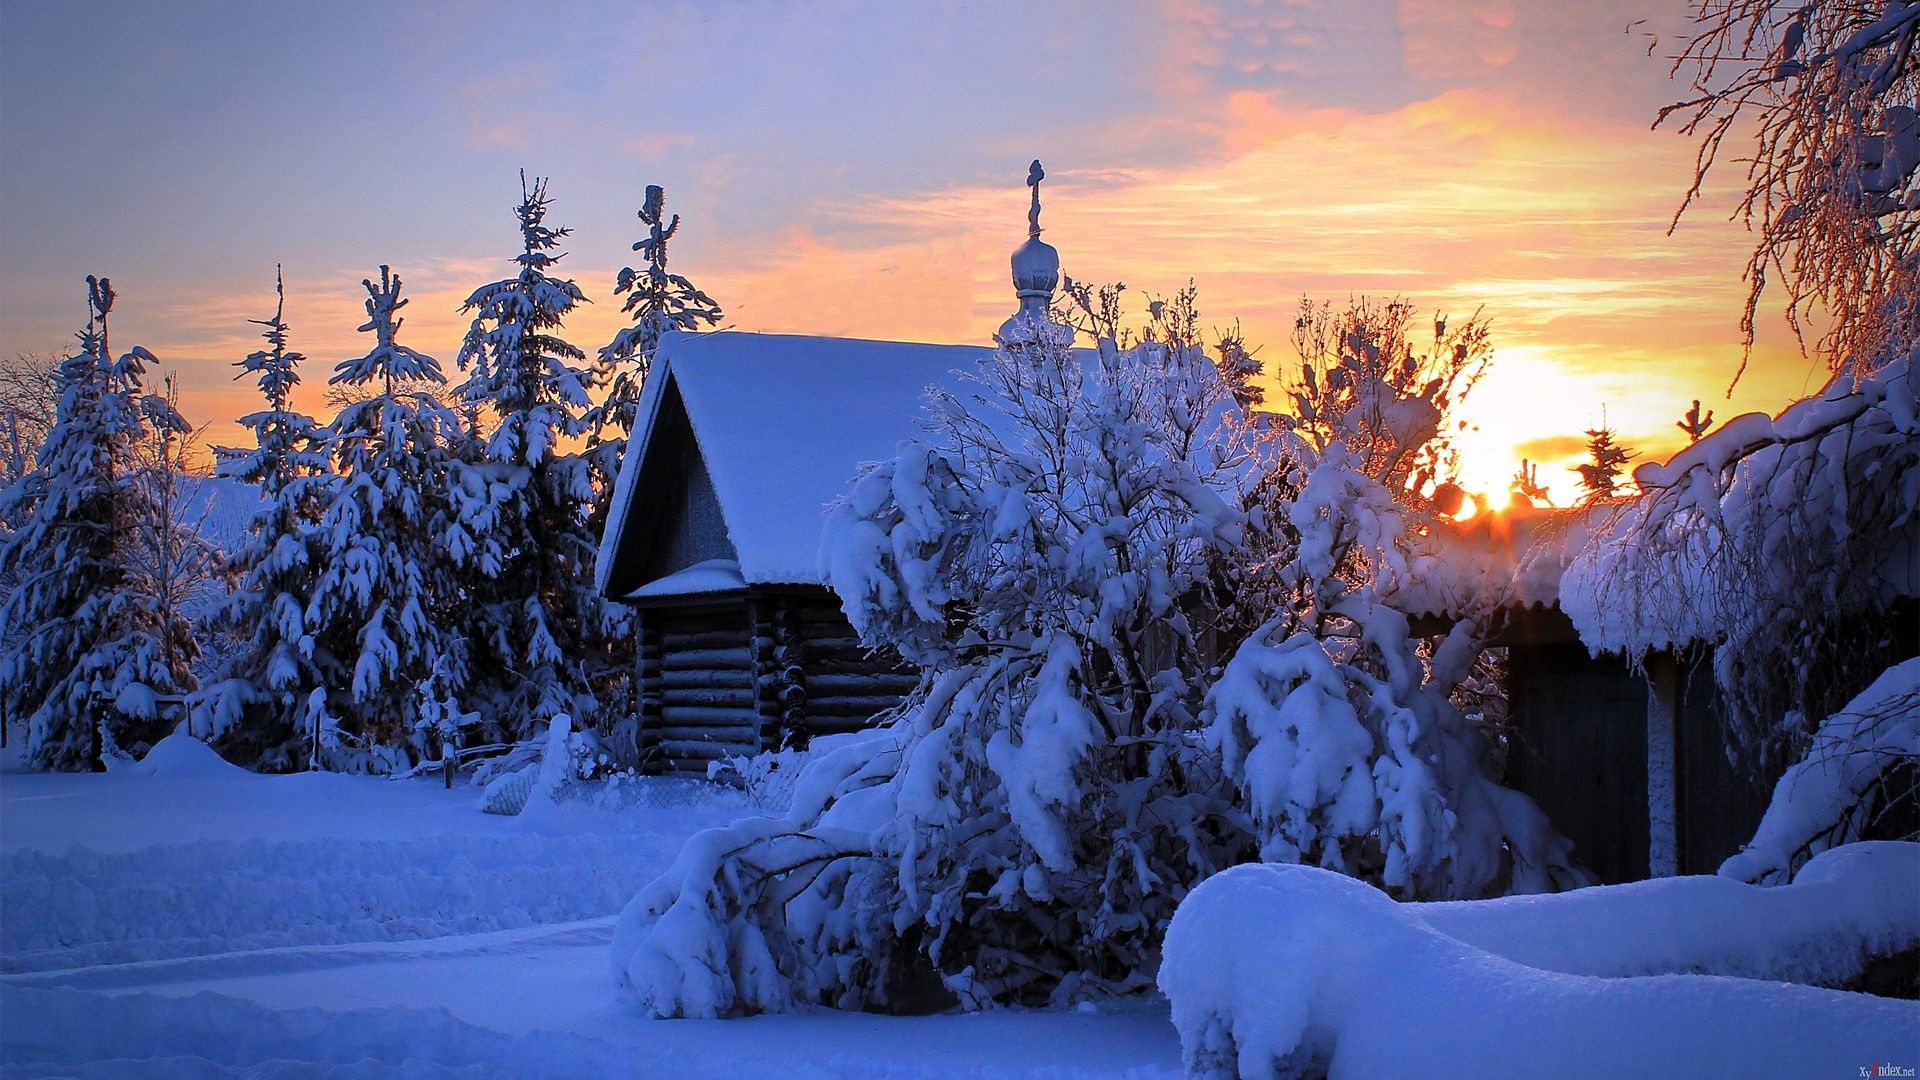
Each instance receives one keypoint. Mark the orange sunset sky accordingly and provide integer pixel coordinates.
(856, 169)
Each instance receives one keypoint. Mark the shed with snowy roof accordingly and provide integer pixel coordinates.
(1612, 614)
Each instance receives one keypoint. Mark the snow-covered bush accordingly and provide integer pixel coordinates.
(1287, 971)
(1061, 557)
(1335, 726)
(97, 644)
(1027, 825)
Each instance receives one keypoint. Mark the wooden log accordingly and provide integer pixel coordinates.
(741, 698)
(819, 712)
(740, 658)
(708, 736)
(678, 751)
(838, 725)
(703, 715)
(681, 641)
(726, 616)
(864, 683)
(708, 678)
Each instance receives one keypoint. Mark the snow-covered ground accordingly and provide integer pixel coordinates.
(194, 919)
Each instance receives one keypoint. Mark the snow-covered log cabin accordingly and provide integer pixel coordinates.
(744, 440)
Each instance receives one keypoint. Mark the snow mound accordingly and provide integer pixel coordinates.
(182, 755)
(1276, 970)
(1846, 907)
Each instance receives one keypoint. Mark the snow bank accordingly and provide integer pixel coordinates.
(1289, 970)
(182, 756)
(1819, 796)
(1846, 907)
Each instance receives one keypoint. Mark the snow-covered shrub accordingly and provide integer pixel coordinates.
(1027, 825)
(767, 778)
(1061, 557)
(97, 645)
(1850, 774)
(1783, 543)
(1335, 726)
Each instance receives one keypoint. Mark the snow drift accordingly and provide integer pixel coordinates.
(1277, 970)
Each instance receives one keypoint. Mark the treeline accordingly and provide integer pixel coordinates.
(418, 575)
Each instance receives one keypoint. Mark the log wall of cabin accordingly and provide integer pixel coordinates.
(760, 672)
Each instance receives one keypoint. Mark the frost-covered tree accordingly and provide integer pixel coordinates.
(1526, 484)
(1062, 557)
(522, 505)
(1695, 424)
(258, 708)
(386, 611)
(1029, 823)
(93, 654)
(1337, 726)
(1826, 90)
(29, 406)
(167, 555)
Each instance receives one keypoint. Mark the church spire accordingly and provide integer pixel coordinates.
(1036, 271)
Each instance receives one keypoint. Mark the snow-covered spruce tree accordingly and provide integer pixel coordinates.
(658, 301)
(257, 710)
(386, 611)
(521, 507)
(1051, 557)
(92, 656)
(1334, 723)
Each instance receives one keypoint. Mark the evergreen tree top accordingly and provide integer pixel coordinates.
(276, 364)
(389, 358)
(534, 233)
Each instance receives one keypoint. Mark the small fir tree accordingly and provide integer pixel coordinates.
(1601, 476)
(258, 708)
(93, 657)
(388, 595)
(522, 504)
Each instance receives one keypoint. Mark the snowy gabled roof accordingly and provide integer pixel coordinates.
(782, 423)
